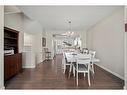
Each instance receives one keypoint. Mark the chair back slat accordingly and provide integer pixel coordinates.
(80, 61)
(92, 53)
(83, 56)
(84, 59)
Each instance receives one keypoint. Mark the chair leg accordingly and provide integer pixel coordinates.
(84, 74)
(70, 69)
(74, 71)
(89, 78)
(93, 68)
(64, 68)
(77, 78)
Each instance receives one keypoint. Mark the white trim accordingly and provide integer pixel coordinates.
(1, 47)
(29, 66)
(110, 71)
(125, 59)
(11, 13)
(124, 87)
(2, 88)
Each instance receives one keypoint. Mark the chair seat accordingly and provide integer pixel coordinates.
(81, 67)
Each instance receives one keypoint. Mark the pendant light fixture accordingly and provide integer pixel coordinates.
(69, 31)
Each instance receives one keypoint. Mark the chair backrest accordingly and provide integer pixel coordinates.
(92, 53)
(83, 56)
(69, 57)
(85, 61)
(85, 50)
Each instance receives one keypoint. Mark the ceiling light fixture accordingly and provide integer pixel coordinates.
(69, 32)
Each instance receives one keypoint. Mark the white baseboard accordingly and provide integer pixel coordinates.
(29, 66)
(124, 87)
(2, 88)
(110, 71)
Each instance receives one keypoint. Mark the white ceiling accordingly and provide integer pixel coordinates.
(56, 17)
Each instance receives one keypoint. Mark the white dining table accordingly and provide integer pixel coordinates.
(73, 56)
(70, 57)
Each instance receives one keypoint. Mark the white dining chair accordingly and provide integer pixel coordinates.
(85, 51)
(65, 63)
(92, 60)
(82, 66)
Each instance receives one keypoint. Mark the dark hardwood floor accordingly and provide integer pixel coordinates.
(49, 75)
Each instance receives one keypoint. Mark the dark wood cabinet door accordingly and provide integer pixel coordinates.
(8, 67)
(20, 62)
(12, 65)
(14, 62)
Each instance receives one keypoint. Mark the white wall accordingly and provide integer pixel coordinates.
(1, 48)
(22, 23)
(38, 47)
(27, 39)
(107, 38)
(28, 52)
(34, 29)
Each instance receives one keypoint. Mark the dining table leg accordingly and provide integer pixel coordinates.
(70, 69)
(77, 78)
(73, 71)
(64, 68)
